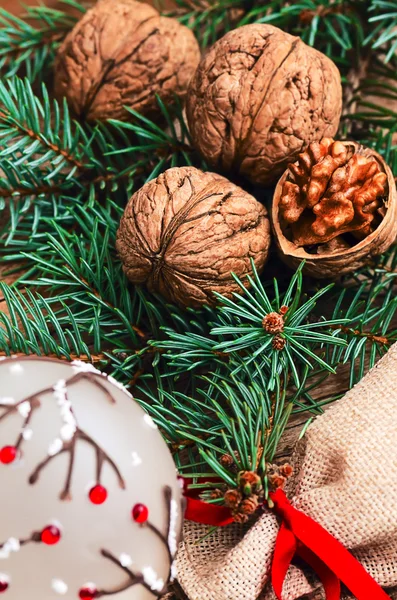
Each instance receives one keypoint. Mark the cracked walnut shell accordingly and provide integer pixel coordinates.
(335, 208)
(184, 233)
(258, 98)
(123, 53)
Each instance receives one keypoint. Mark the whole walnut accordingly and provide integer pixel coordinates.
(335, 208)
(184, 233)
(123, 53)
(258, 98)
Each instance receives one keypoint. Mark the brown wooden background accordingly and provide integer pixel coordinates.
(15, 7)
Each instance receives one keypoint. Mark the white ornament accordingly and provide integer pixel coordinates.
(125, 560)
(59, 587)
(27, 433)
(152, 579)
(7, 400)
(136, 459)
(69, 427)
(60, 391)
(11, 545)
(174, 572)
(67, 432)
(55, 447)
(66, 413)
(82, 367)
(24, 409)
(148, 419)
(172, 536)
(87, 433)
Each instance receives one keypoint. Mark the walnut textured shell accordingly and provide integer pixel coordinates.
(258, 98)
(345, 253)
(122, 53)
(184, 233)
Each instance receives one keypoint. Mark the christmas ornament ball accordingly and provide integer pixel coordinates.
(91, 504)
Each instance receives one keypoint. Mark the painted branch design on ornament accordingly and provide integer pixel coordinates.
(49, 535)
(148, 578)
(70, 448)
(26, 409)
(70, 433)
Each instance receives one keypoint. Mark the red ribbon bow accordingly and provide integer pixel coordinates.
(300, 535)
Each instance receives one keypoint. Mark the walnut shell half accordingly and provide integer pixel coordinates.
(184, 233)
(258, 98)
(335, 208)
(123, 53)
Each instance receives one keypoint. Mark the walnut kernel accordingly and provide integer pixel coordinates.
(335, 208)
(332, 190)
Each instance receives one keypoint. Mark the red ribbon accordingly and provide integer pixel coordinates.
(203, 512)
(300, 535)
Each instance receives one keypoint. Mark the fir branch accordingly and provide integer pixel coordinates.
(50, 161)
(31, 49)
(371, 308)
(171, 146)
(383, 34)
(272, 331)
(374, 119)
(33, 125)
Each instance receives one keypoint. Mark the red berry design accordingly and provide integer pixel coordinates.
(3, 585)
(8, 454)
(88, 592)
(50, 535)
(98, 494)
(140, 513)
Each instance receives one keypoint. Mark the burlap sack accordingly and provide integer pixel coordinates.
(346, 479)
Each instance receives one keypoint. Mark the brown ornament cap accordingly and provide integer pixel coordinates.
(123, 53)
(258, 98)
(184, 233)
(335, 208)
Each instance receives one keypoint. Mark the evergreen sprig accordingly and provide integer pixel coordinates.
(28, 45)
(370, 305)
(384, 17)
(51, 162)
(239, 332)
(229, 416)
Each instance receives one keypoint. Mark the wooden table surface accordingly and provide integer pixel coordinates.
(16, 8)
